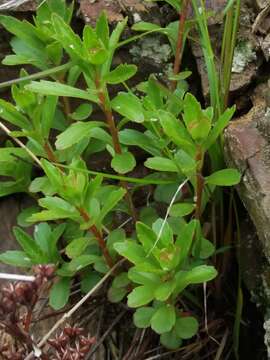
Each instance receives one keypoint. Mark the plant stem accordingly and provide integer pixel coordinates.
(115, 138)
(180, 41)
(99, 237)
(37, 75)
(110, 121)
(49, 152)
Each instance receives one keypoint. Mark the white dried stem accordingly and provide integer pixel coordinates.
(16, 277)
(12, 4)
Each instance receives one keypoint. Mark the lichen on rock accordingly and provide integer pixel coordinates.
(152, 48)
(243, 55)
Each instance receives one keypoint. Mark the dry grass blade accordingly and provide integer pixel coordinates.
(74, 309)
(12, 4)
(222, 345)
(107, 332)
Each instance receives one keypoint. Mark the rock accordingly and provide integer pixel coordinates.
(246, 60)
(247, 147)
(116, 9)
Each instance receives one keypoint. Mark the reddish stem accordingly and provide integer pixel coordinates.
(99, 238)
(109, 119)
(116, 143)
(49, 152)
(180, 40)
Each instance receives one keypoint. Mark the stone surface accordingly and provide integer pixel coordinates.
(248, 149)
(247, 58)
(116, 9)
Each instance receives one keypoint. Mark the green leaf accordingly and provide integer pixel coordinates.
(202, 273)
(182, 209)
(197, 122)
(185, 239)
(164, 193)
(143, 316)
(140, 296)
(148, 215)
(164, 290)
(115, 295)
(121, 73)
(56, 234)
(70, 41)
(225, 177)
(23, 30)
(112, 200)
(96, 52)
(22, 218)
(164, 231)
(48, 113)
(42, 184)
(56, 203)
(57, 209)
(42, 234)
(129, 106)
(75, 133)
(143, 277)
(59, 293)
(29, 246)
(176, 131)
(16, 258)
(89, 280)
(186, 163)
(146, 236)
(82, 112)
(145, 26)
(9, 113)
(52, 173)
(180, 76)
(170, 340)
(198, 275)
(130, 250)
(115, 236)
(102, 29)
(218, 127)
(76, 247)
(175, 4)
(45, 87)
(186, 327)
(207, 249)
(136, 138)
(164, 319)
(161, 164)
(123, 163)
(121, 281)
(77, 264)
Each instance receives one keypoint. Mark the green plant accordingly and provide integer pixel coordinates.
(167, 252)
